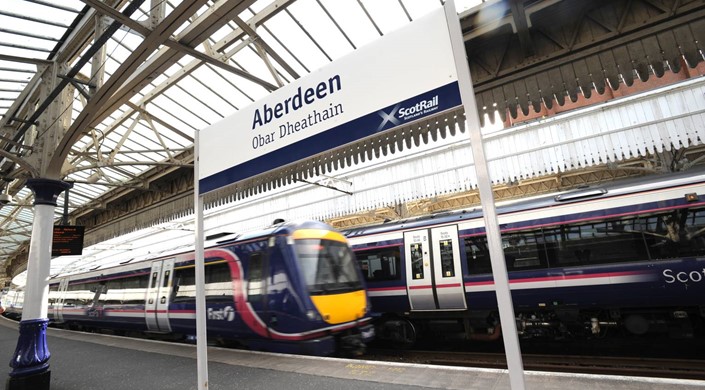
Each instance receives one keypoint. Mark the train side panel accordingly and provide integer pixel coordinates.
(256, 294)
(634, 260)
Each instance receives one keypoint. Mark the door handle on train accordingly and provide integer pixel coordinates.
(163, 300)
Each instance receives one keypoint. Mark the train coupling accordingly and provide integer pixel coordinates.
(354, 343)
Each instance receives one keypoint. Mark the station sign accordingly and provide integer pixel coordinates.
(407, 75)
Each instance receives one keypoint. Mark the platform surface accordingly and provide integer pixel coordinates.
(81, 361)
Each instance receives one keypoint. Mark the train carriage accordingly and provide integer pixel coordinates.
(294, 288)
(628, 255)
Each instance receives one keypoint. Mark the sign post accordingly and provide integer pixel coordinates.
(489, 212)
(201, 334)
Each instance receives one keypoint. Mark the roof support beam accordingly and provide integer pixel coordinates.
(522, 27)
(104, 97)
(76, 68)
(144, 31)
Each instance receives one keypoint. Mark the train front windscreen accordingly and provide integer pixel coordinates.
(327, 266)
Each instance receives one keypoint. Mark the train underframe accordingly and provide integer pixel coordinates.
(564, 323)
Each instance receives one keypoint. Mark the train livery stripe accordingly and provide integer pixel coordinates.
(604, 278)
(386, 291)
(448, 285)
(117, 313)
(427, 286)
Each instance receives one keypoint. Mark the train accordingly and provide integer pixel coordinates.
(11, 303)
(625, 259)
(291, 288)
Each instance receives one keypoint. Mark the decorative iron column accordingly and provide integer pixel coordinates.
(30, 363)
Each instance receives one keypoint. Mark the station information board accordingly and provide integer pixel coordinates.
(67, 240)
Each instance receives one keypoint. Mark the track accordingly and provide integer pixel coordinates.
(625, 366)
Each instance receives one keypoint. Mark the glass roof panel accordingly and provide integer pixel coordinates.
(190, 94)
(321, 28)
(293, 37)
(352, 19)
(387, 15)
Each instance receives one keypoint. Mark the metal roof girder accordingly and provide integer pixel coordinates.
(94, 112)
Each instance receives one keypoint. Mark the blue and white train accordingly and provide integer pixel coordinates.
(292, 288)
(629, 255)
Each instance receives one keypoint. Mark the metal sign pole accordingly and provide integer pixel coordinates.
(201, 337)
(494, 241)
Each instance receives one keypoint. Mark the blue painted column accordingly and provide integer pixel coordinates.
(30, 363)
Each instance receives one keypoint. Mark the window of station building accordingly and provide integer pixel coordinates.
(380, 264)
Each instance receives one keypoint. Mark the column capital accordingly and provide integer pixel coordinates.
(47, 190)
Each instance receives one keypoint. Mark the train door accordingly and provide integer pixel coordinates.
(156, 307)
(59, 301)
(433, 273)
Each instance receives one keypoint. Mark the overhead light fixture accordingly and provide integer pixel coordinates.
(5, 197)
(94, 177)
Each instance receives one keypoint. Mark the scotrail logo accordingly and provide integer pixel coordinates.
(402, 114)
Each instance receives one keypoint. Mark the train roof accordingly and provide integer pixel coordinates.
(602, 190)
(279, 227)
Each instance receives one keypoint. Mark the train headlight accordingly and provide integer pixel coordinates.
(312, 315)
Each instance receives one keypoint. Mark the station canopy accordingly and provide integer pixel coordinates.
(223, 55)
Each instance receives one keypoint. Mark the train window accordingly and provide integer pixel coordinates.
(380, 264)
(184, 285)
(417, 271)
(165, 282)
(110, 293)
(219, 284)
(136, 282)
(327, 266)
(155, 277)
(524, 250)
(123, 291)
(255, 278)
(53, 294)
(447, 264)
(134, 289)
(80, 294)
(477, 255)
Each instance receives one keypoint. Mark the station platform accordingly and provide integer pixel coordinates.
(81, 361)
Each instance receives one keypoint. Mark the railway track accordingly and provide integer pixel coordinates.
(624, 366)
